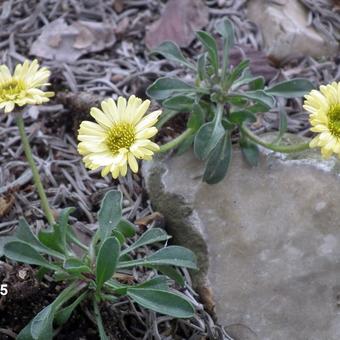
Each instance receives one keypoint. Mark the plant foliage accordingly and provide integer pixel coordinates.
(94, 274)
(222, 100)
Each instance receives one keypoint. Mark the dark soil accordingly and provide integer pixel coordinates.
(27, 296)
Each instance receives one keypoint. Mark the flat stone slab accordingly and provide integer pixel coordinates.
(287, 31)
(267, 238)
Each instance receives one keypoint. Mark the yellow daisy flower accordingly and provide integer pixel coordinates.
(120, 136)
(22, 87)
(324, 108)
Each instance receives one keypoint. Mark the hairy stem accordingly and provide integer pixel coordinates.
(278, 148)
(175, 142)
(35, 172)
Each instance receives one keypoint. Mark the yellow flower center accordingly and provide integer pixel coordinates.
(334, 120)
(11, 88)
(121, 135)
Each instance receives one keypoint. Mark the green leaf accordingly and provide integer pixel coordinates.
(238, 117)
(225, 28)
(24, 233)
(196, 119)
(61, 229)
(254, 82)
(42, 271)
(171, 51)
(107, 260)
(258, 96)
(62, 316)
(23, 252)
(237, 71)
(218, 161)
(178, 256)
(250, 151)
(168, 303)
(290, 88)
(125, 257)
(237, 100)
(62, 276)
(166, 87)
(150, 236)
(99, 321)
(64, 217)
(261, 97)
(172, 255)
(158, 282)
(201, 66)
(3, 241)
(179, 103)
(42, 324)
(210, 44)
(257, 107)
(257, 83)
(54, 239)
(227, 124)
(76, 266)
(110, 213)
(171, 272)
(185, 145)
(245, 78)
(119, 236)
(25, 333)
(207, 138)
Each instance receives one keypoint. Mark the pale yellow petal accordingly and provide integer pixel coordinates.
(330, 93)
(88, 127)
(105, 171)
(121, 107)
(102, 158)
(5, 75)
(310, 108)
(152, 146)
(319, 128)
(115, 171)
(9, 107)
(132, 162)
(326, 153)
(109, 107)
(325, 136)
(24, 86)
(101, 118)
(123, 169)
(119, 137)
(148, 121)
(314, 142)
(141, 110)
(146, 133)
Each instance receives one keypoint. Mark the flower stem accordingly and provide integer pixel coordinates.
(178, 140)
(36, 177)
(277, 148)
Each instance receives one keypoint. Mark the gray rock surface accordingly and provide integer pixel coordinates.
(287, 31)
(268, 240)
